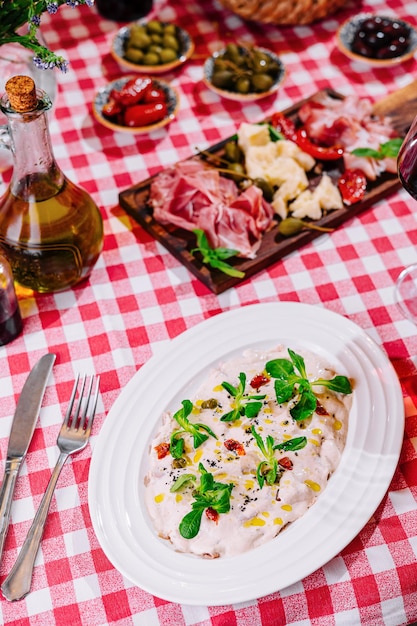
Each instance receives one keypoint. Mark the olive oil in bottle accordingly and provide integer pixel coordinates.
(50, 229)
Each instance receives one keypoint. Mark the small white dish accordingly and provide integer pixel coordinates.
(251, 96)
(346, 34)
(103, 95)
(122, 36)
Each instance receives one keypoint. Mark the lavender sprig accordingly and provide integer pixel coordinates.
(16, 13)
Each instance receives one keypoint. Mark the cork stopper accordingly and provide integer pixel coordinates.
(21, 91)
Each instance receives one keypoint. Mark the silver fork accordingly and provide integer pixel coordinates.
(73, 437)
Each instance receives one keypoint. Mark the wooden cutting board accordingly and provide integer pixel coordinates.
(401, 106)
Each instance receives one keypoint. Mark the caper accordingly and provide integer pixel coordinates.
(233, 152)
(151, 58)
(178, 463)
(232, 52)
(223, 79)
(243, 84)
(265, 187)
(290, 226)
(211, 403)
(239, 172)
(167, 55)
(262, 82)
(134, 54)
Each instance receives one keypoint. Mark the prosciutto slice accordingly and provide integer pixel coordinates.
(351, 124)
(190, 195)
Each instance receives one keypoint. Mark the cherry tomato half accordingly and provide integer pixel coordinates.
(352, 186)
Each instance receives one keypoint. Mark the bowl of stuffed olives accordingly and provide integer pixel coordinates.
(243, 73)
(152, 46)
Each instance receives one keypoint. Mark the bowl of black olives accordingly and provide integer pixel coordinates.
(152, 46)
(243, 73)
(378, 40)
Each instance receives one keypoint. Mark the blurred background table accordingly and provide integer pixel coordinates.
(139, 297)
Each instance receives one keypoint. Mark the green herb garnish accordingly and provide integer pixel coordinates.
(388, 149)
(215, 257)
(267, 470)
(209, 494)
(176, 446)
(292, 384)
(181, 481)
(244, 405)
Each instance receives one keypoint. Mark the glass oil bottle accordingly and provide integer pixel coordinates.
(50, 229)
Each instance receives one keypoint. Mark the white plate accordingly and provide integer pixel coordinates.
(369, 460)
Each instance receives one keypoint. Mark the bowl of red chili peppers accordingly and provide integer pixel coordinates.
(136, 104)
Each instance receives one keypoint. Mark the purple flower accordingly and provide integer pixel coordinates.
(52, 8)
(36, 20)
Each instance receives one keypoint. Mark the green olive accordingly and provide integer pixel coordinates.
(169, 41)
(156, 38)
(243, 84)
(170, 29)
(211, 403)
(167, 55)
(151, 58)
(223, 79)
(290, 226)
(262, 82)
(154, 26)
(140, 40)
(134, 55)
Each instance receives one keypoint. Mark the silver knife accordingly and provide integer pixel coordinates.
(23, 425)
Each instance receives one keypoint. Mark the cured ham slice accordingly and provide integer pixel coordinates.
(351, 124)
(190, 195)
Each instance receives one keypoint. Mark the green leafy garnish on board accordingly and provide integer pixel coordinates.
(215, 257)
(199, 432)
(267, 470)
(209, 494)
(388, 149)
(243, 404)
(292, 384)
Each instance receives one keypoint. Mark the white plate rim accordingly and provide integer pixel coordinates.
(372, 451)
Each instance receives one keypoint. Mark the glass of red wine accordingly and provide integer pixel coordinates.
(406, 285)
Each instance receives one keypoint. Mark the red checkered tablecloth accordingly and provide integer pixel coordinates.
(139, 297)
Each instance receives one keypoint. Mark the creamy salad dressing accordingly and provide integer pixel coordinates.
(256, 515)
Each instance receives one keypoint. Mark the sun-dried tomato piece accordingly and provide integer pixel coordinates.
(162, 450)
(259, 380)
(212, 514)
(285, 463)
(234, 446)
(320, 409)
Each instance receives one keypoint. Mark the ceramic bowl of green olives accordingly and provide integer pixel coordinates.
(243, 73)
(152, 46)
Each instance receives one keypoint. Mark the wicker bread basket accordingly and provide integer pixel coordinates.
(290, 12)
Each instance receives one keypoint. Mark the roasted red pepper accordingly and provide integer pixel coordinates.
(286, 126)
(154, 95)
(145, 114)
(111, 109)
(134, 90)
(352, 186)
